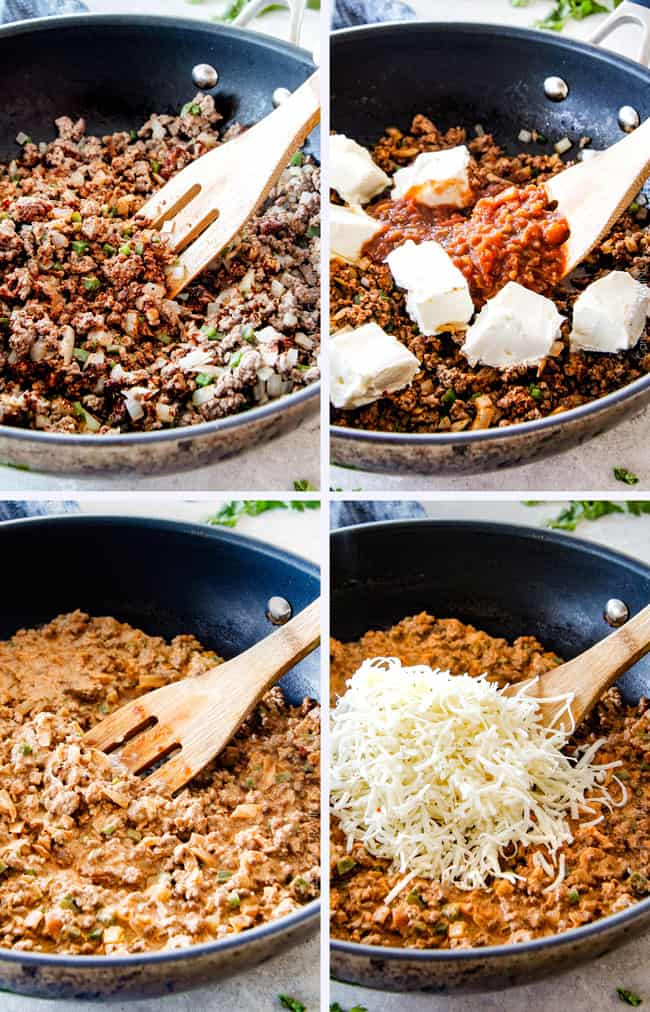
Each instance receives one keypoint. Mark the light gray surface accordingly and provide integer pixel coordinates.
(589, 989)
(587, 467)
(592, 987)
(294, 972)
(275, 465)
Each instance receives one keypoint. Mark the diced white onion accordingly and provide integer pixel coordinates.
(246, 283)
(269, 356)
(479, 130)
(194, 360)
(95, 358)
(164, 413)
(292, 357)
(525, 136)
(563, 145)
(264, 373)
(157, 130)
(203, 395)
(277, 288)
(133, 406)
(67, 345)
(303, 341)
(131, 323)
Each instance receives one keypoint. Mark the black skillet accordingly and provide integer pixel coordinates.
(463, 74)
(115, 70)
(509, 581)
(165, 578)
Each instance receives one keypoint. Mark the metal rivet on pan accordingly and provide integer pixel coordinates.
(628, 118)
(204, 75)
(616, 612)
(278, 610)
(280, 95)
(556, 89)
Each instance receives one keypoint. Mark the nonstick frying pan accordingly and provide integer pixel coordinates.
(509, 581)
(115, 70)
(462, 74)
(165, 578)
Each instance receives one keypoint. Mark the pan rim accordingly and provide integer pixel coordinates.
(311, 911)
(184, 432)
(550, 422)
(574, 544)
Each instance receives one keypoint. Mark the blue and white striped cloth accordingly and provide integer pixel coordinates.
(22, 10)
(349, 514)
(347, 13)
(18, 509)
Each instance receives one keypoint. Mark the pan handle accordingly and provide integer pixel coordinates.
(296, 10)
(628, 13)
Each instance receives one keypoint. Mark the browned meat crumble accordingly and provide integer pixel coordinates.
(608, 865)
(92, 859)
(447, 394)
(89, 341)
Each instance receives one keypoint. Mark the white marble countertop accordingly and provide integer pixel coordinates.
(591, 987)
(296, 971)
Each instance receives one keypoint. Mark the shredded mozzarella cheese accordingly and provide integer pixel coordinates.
(445, 776)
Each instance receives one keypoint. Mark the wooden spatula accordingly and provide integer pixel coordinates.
(593, 194)
(210, 201)
(202, 714)
(592, 672)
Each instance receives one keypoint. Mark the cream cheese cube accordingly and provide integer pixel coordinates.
(350, 229)
(610, 315)
(438, 296)
(436, 177)
(516, 327)
(353, 174)
(366, 364)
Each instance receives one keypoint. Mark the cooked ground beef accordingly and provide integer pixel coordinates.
(92, 859)
(89, 341)
(447, 394)
(608, 865)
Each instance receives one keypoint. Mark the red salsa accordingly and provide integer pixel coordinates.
(511, 236)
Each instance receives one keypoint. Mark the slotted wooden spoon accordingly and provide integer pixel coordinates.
(202, 714)
(589, 674)
(593, 194)
(210, 201)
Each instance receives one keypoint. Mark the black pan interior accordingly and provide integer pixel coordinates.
(505, 580)
(467, 74)
(164, 578)
(117, 70)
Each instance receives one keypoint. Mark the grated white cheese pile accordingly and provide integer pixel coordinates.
(445, 776)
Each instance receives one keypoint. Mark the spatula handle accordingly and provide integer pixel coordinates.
(263, 664)
(590, 674)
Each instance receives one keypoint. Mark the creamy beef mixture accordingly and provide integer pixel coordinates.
(493, 241)
(94, 861)
(607, 865)
(89, 340)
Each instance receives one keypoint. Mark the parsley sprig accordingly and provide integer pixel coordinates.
(564, 11)
(231, 512)
(579, 510)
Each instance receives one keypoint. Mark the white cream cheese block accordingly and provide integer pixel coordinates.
(350, 229)
(436, 177)
(610, 315)
(438, 296)
(353, 174)
(367, 363)
(516, 327)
